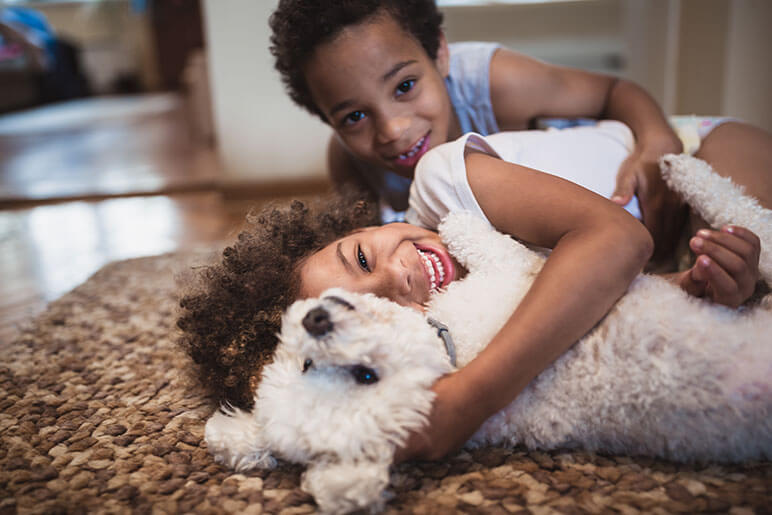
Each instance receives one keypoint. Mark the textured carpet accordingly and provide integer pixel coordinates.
(96, 416)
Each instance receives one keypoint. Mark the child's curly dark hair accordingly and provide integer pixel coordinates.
(231, 312)
(299, 26)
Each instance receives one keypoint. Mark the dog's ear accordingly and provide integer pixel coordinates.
(346, 487)
(234, 438)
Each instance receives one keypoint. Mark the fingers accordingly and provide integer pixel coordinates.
(691, 282)
(734, 248)
(627, 183)
(744, 234)
(728, 262)
(720, 287)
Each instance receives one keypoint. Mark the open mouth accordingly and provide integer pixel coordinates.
(411, 157)
(439, 268)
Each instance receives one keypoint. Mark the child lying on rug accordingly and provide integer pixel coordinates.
(597, 249)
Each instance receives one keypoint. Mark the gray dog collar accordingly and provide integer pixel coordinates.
(444, 333)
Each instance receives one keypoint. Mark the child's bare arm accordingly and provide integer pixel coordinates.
(597, 250)
(661, 208)
(523, 88)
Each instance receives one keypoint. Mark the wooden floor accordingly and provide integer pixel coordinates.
(85, 183)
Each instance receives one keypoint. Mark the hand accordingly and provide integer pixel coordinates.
(727, 265)
(662, 210)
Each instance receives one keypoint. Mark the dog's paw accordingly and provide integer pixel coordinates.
(242, 463)
(234, 439)
(346, 487)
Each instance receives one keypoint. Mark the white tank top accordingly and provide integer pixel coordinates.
(589, 156)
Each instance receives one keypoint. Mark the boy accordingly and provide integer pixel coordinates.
(445, 91)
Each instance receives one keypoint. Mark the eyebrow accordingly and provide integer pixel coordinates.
(386, 76)
(396, 68)
(342, 258)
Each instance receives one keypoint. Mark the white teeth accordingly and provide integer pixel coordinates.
(428, 258)
(412, 151)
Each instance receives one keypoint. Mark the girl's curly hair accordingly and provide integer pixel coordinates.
(232, 311)
(299, 26)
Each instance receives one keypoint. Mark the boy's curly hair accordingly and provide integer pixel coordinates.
(299, 26)
(232, 310)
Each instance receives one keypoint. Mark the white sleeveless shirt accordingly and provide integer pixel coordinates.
(589, 156)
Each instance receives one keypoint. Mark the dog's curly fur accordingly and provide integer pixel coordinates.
(232, 310)
(664, 374)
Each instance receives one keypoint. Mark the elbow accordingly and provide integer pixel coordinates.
(419, 446)
(424, 446)
(627, 244)
(434, 452)
(640, 245)
(645, 245)
(429, 449)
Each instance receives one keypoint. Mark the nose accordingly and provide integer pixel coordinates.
(317, 322)
(399, 281)
(391, 127)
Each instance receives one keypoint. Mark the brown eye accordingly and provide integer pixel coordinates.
(353, 117)
(405, 86)
(362, 259)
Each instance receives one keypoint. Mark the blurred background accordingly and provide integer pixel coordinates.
(137, 127)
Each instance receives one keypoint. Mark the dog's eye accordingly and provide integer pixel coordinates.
(307, 364)
(364, 375)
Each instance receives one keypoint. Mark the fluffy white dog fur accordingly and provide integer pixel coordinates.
(663, 374)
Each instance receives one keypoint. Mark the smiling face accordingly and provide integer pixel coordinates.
(401, 262)
(382, 94)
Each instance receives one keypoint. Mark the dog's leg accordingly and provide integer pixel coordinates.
(346, 487)
(233, 437)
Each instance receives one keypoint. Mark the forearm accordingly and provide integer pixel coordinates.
(572, 293)
(631, 104)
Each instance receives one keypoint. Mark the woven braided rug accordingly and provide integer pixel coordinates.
(96, 415)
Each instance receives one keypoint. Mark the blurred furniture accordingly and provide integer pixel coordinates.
(37, 65)
(177, 30)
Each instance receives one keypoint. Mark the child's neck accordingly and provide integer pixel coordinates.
(454, 130)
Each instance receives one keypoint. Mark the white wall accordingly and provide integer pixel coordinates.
(651, 37)
(581, 34)
(707, 57)
(262, 135)
(748, 71)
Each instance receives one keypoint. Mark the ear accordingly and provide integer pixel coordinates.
(443, 57)
(346, 487)
(234, 438)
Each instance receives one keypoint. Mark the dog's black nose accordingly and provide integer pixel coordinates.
(317, 322)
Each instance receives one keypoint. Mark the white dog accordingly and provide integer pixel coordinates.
(664, 374)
